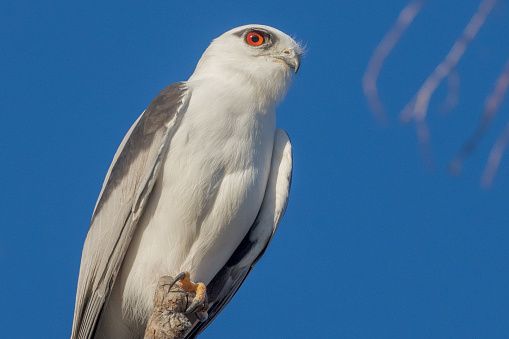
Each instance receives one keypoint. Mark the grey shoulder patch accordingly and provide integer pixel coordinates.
(160, 111)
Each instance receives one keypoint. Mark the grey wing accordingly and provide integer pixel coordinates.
(121, 202)
(229, 279)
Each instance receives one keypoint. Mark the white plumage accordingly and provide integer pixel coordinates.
(208, 188)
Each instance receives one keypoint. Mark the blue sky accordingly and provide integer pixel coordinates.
(372, 244)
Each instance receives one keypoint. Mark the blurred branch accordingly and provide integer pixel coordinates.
(418, 107)
(416, 110)
(453, 91)
(490, 109)
(405, 18)
(494, 158)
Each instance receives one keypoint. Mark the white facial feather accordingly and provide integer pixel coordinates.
(260, 66)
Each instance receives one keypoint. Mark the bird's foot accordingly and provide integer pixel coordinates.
(199, 303)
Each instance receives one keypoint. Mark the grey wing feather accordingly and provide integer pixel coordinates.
(121, 202)
(229, 279)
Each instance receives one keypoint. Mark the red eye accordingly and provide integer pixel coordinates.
(254, 39)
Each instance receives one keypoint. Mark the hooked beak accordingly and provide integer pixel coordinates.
(291, 58)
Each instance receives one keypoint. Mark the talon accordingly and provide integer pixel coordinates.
(199, 289)
(194, 305)
(180, 276)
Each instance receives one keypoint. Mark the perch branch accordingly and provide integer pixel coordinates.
(168, 319)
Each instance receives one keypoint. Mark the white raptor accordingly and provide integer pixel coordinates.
(199, 183)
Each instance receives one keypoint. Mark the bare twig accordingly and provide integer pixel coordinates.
(453, 91)
(490, 109)
(405, 18)
(423, 135)
(494, 158)
(417, 108)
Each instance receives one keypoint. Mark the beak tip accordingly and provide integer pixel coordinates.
(291, 58)
(296, 63)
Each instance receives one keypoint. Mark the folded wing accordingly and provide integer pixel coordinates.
(121, 202)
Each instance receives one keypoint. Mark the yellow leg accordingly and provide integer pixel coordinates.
(198, 288)
(189, 286)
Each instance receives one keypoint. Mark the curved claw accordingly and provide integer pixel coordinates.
(199, 309)
(194, 305)
(179, 277)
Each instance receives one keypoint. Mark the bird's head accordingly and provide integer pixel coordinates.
(256, 54)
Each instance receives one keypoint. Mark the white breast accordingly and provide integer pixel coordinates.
(207, 196)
